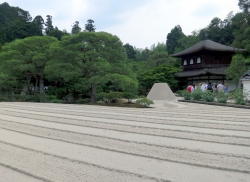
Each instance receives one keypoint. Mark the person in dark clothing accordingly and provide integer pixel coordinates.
(210, 87)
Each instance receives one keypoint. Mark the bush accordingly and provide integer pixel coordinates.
(197, 94)
(179, 92)
(83, 101)
(129, 96)
(50, 97)
(239, 97)
(186, 95)
(144, 102)
(222, 97)
(101, 96)
(26, 98)
(100, 102)
(208, 96)
(56, 101)
(113, 96)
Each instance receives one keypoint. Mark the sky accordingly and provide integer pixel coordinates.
(141, 23)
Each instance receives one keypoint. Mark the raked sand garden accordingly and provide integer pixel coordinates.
(62, 143)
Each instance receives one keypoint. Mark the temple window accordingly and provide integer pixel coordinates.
(185, 62)
(198, 60)
(191, 61)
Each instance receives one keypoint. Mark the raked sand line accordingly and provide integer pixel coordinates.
(33, 163)
(133, 137)
(172, 154)
(163, 115)
(187, 135)
(8, 174)
(141, 138)
(241, 126)
(140, 166)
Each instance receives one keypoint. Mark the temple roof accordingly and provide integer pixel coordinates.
(208, 45)
(212, 71)
(246, 75)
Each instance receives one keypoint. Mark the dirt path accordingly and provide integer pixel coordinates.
(53, 142)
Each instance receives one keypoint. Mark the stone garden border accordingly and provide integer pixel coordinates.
(216, 103)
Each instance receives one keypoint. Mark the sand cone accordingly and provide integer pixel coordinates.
(161, 91)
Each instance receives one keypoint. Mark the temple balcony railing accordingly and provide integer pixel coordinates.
(200, 66)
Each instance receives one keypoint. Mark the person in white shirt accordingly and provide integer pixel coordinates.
(220, 87)
(203, 87)
(192, 88)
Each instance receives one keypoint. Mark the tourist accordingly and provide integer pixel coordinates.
(193, 88)
(210, 87)
(189, 88)
(220, 87)
(215, 88)
(203, 87)
(226, 88)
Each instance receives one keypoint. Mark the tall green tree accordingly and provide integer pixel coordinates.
(39, 21)
(75, 28)
(130, 52)
(92, 59)
(244, 5)
(173, 37)
(218, 30)
(236, 68)
(28, 57)
(160, 74)
(90, 27)
(158, 59)
(49, 27)
(187, 41)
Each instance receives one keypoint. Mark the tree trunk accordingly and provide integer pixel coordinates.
(42, 92)
(36, 84)
(26, 86)
(93, 93)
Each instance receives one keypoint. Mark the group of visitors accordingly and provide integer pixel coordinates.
(211, 87)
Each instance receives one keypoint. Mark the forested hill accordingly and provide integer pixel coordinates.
(16, 23)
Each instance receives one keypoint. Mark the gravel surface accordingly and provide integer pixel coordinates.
(55, 142)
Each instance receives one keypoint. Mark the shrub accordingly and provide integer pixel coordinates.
(222, 97)
(50, 97)
(111, 96)
(144, 102)
(129, 96)
(83, 101)
(36, 98)
(101, 96)
(100, 102)
(186, 95)
(208, 96)
(197, 94)
(26, 98)
(179, 92)
(56, 101)
(239, 97)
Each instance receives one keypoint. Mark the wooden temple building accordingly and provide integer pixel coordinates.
(206, 61)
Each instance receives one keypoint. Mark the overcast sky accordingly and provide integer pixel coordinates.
(140, 23)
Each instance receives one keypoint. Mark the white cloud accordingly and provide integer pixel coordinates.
(150, 23)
